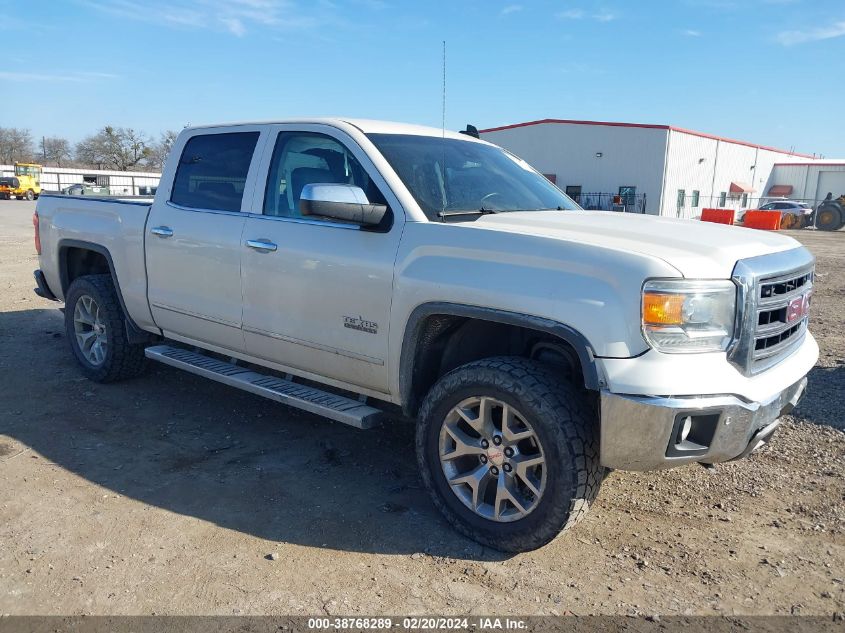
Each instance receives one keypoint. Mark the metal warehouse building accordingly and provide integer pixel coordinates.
(131, 183)
(661, 169)
(809, 180)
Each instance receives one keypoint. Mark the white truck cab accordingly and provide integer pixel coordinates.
(347, 267)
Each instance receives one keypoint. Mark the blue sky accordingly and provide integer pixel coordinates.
(766, 71)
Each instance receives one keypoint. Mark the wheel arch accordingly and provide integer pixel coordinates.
(78, 258)
(433, 327)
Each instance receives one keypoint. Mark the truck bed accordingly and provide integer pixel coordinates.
(113, 226)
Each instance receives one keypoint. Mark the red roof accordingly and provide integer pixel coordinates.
(817, 163)
(643, 125)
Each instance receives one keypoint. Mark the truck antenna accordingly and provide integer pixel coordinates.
(443, 128)
(443, 121)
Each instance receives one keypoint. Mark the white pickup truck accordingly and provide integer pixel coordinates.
(351, 267)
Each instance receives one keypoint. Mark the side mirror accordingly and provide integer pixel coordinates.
(347, 203)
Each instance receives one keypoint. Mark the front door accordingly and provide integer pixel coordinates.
(193, 241)
(317, 293)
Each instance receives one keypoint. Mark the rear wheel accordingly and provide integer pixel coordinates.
(96, 329)
(509, 452)
(30, 195)
(829, 218)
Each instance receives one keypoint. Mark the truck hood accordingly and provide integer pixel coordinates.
(697, 249)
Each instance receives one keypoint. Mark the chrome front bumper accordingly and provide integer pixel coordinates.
(646, 432)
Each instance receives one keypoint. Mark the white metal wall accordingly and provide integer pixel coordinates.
(709, 166)
(630, 156)
(690, 164)
(831, 181)
(810, 181)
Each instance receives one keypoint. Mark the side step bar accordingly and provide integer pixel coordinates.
(328, 405)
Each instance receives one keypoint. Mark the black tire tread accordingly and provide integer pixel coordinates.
(576, 428)
(838, 217)
(123, 360)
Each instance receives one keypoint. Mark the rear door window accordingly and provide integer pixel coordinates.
(212, 171)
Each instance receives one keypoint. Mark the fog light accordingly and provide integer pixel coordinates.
(692, 434)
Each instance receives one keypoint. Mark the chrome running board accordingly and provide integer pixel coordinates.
(328, 405)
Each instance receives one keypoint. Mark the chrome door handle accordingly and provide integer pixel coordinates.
(162, 231)
(262, 245)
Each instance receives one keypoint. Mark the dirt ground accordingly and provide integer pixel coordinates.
(168, 493)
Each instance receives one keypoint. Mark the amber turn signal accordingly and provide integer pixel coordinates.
(662, 309)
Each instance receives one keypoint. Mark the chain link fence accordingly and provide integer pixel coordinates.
(691, 205)
(802, 212)
(627, 203)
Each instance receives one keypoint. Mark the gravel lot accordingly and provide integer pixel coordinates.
(169, 493)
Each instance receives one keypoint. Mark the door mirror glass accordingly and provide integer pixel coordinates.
(346, 203)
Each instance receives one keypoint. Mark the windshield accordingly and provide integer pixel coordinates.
(477, 177)
(27, 170)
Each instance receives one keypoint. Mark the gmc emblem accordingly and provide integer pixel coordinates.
(798, 308)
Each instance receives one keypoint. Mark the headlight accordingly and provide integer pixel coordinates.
(683, 316)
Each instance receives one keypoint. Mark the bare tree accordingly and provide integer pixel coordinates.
(161, 148)
(89, 152)
(118, 148)
(55, 149)
(15, 145)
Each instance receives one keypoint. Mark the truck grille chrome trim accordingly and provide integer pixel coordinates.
(773, 296)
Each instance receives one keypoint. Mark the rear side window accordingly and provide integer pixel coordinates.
(212, 171)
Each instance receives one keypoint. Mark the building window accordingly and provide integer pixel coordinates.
(682, 197)
(574, 192)
(628, 195)
(695, 196)
(744, 200)
(723, 198)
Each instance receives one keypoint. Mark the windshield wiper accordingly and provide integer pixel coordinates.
(451, 214)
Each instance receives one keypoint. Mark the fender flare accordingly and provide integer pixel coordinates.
(593, 375)
(134, 334)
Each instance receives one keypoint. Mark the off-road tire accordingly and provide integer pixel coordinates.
(564, 420)
(122, 360)
(829, 218)
(29, 195)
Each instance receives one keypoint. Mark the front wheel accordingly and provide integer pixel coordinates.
(509, 452)
(96, 329)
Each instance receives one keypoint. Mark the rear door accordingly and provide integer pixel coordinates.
(317, 293)
(193, 238)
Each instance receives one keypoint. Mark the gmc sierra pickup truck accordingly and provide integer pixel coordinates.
(349, 268)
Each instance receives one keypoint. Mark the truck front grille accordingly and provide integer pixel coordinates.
(781, 318)
(773, 289)
(774, 297)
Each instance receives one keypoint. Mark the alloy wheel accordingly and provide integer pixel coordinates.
(90, 330)
(492, 459)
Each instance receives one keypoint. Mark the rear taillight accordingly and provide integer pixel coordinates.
(37, 233)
